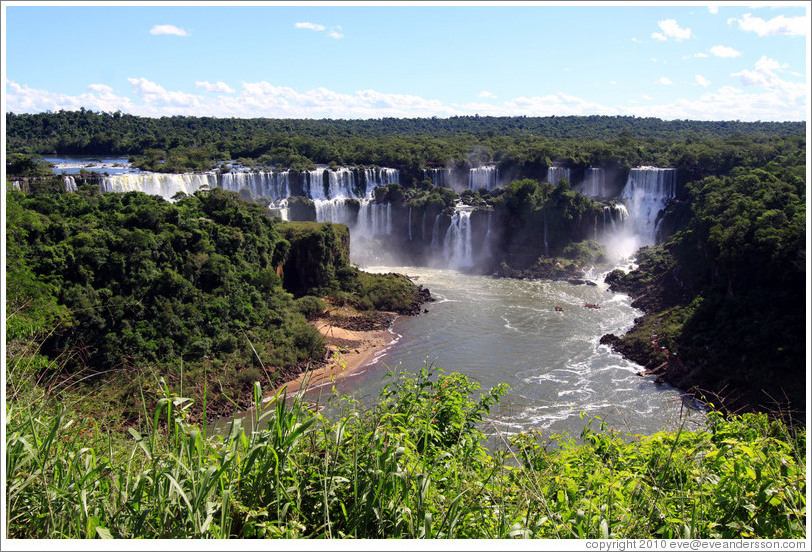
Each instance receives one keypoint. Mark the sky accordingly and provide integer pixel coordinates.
(700, 60)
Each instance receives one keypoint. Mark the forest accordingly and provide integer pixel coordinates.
(123, 287)
(180, 144)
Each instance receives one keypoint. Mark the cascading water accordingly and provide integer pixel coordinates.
(70, 183)
(345, 195)
(274, 185)
(614, 217)
(594, 183)
(458, 241)
(347, 184)
(483, 177)
(435, 234)
(337, 211)
(374, 219)
(440, 178)
(556, 174)
(647, 192)
(280, 208)
(162, 184)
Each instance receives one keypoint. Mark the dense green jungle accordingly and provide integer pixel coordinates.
(132, 322)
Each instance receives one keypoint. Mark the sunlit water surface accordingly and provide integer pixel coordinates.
(508, 331)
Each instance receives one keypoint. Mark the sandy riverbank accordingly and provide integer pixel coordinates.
(348, 350)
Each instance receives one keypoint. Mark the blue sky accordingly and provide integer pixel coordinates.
(690, 60)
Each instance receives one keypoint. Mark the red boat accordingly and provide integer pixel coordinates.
(592, 305)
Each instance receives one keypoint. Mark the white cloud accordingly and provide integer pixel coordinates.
(697, 55)
(24, 99)
(664, 80)
(309, 26)
(100, 88)
(725, 52)
(779, 25)
(765, 75)
(168, 30)
(334, 33)
(540, 106)
(217, 87)
(486, 94)
(672, 29)
(765, 96)
(636, 40)
(659, 36)
(156, 95)
(701, 81)
(728, 103)
(713, 9)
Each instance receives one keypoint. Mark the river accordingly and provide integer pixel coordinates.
(508, 331)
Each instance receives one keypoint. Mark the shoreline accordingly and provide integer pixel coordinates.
(348, 351)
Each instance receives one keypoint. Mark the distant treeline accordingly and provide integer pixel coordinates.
(179, 144)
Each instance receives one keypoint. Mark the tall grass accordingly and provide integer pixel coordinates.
(416, 465)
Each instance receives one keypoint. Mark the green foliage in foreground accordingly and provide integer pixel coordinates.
(414, 466)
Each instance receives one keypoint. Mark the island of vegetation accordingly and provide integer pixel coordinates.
(132, 322)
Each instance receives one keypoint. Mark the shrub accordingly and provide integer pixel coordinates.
(310, 306)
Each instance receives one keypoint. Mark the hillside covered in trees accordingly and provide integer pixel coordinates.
(125, 289)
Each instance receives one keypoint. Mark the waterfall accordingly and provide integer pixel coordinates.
(647, 192)
(337, 211)
(321, 183)
(374, 219)
(380, 176)
(458, 247)
(280, 208)
(410, 223)
(313, 184)
(162, 184)
(440, 178)
(274, 185)
(70, 183)
(546, 246)
(483, 177)
(616, 216)
(435, 233)
(594, 183)
(556, 174)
